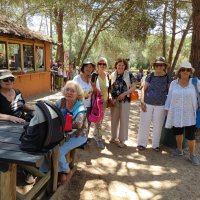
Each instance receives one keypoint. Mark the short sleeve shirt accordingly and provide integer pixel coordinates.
(156, 93)
(14, 108)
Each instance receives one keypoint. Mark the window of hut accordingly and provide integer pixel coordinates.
(39, 57)
(3, 55)
(14, 57)
(28, 57)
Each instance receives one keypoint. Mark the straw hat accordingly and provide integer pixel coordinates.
(160, 60)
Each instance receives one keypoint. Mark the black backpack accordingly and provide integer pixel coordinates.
(45, 130)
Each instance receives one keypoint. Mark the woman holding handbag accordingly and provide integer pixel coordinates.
(103, 82)
(181, 105)
(122, 84)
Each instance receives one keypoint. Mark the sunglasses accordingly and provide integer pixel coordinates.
(103, 64)
(159, 65)
(185, 69)
(11, 79)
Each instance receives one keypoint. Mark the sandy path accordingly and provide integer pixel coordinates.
(125, 174)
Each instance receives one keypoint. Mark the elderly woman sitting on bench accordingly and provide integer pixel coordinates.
(71, 104)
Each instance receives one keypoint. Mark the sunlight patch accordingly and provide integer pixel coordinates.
(94, 185)
(121, 191)
(165, 184)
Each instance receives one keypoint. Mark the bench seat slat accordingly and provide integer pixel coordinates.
(12, 140)
(20, 157)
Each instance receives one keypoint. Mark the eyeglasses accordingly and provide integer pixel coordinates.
(185, 69)
(69, 90)
(103, 64)
(11, 79)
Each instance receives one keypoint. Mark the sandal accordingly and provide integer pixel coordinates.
(140, 147)
(114, 141)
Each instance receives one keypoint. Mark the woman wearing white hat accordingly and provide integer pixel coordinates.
(181, 105)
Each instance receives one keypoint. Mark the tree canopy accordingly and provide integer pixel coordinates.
(137, 29)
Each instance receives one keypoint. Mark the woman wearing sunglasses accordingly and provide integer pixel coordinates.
(153, 97)
(103, 80)
(12, 104)
(181, 105)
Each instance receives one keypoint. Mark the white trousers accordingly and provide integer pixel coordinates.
(156, 114)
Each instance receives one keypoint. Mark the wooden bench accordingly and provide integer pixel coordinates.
(12, 156)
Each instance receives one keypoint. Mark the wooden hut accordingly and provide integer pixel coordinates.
(28, 55)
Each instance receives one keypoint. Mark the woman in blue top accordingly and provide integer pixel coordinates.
(71, 103)
(153, 97)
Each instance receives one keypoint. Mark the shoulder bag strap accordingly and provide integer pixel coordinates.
(47, 115)
(58, 112)
(197, 92)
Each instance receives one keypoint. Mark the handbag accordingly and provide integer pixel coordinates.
(110, 103)
(194, 82)
(134, 96)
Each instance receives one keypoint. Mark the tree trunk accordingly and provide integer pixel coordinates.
(95, 19)
(195, 46)
(164, 30)
(96, 36)
(181, 44)
(174, 18)
(58, 14)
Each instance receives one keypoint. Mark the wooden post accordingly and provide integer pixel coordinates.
(54, 169)
(8, 183)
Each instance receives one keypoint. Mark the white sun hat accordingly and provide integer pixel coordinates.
(187, 65)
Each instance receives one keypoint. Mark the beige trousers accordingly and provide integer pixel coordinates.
(119, 121)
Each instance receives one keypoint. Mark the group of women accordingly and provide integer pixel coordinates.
(159, 96)
(177, 101)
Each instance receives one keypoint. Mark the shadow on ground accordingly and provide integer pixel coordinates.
(124, 173)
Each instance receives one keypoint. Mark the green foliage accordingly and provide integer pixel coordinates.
(132, 31)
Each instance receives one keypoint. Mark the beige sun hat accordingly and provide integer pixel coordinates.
(187, 65)
(5, 73)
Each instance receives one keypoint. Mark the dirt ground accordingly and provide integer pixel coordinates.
(126, 174)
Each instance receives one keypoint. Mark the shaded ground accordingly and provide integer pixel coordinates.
(125, 174)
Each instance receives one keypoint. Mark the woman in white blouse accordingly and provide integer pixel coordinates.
(181, 105)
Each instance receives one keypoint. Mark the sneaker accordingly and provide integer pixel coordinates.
(157, 149)
(176, 153)
(100, 144)
(121, 145)
(195, 160)
(140, 147)
(30, 179)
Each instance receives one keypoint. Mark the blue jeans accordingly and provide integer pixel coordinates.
(74, 142)
(63, 165)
